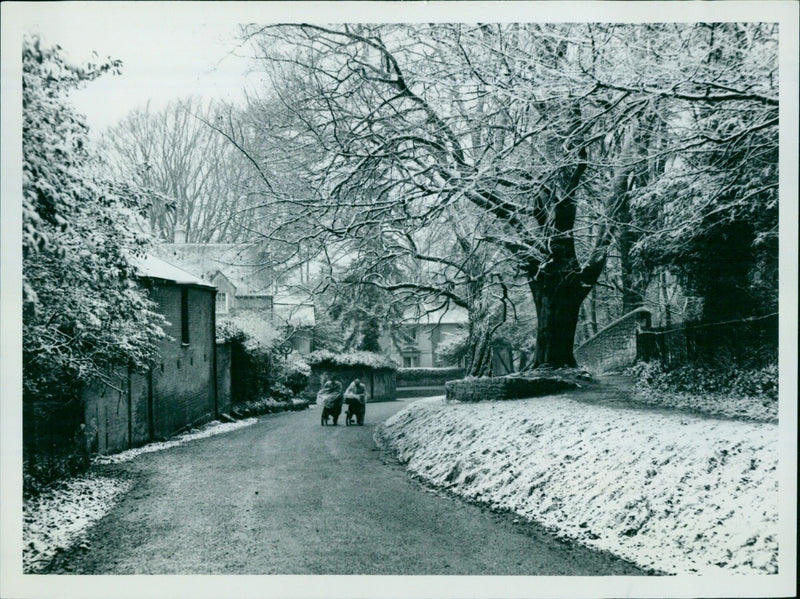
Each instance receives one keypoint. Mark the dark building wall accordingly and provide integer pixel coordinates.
(381, 383)
(183, 381)
(178, 392)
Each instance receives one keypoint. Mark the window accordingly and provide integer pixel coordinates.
(184, 316)
(410, 361)
(222, 302)
(412, 333)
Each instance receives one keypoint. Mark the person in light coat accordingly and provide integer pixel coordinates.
(356, 399)
(330, 398)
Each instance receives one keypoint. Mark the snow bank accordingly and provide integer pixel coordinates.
(59, 517)
(212, 428)
(671, 492)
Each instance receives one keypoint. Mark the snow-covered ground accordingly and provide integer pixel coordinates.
(60, 517)
(671, 492)
(758, 409)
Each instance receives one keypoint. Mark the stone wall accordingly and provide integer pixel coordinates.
(504, 387)
(615, 346)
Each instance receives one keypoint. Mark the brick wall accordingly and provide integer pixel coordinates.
(178, 392)
(503, 387)
(183, 380)
(615, 346)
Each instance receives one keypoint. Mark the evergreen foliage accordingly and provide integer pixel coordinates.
(83, 311)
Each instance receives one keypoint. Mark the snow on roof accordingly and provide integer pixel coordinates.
(245, 266)
(156, 268)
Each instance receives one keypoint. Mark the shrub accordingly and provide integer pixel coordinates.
(280, 392)
(704, 379)
(364, 359)
(294, 373)
(258, 407)
(431, 376)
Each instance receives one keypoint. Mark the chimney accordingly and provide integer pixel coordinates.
(179, 235)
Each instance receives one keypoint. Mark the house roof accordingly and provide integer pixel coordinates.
(156, 268)
(294, 313)
(245, 266)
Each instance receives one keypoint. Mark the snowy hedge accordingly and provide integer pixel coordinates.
(363, 359)
(428, 376)
(504, 387)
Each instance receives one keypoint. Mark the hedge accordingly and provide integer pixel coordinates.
(362, 359)
(428, 376)
(504, 387)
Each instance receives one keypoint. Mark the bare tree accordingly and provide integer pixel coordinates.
(204, 184)
(543, 132)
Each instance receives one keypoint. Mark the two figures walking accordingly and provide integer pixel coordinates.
(330, 397)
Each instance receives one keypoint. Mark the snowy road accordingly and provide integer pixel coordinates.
(286, 496)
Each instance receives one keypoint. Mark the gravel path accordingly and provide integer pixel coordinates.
(286, 496)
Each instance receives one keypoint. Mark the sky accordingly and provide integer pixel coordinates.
(163, 58)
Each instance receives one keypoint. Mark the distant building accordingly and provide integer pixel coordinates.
(251, 292)
(415, 342)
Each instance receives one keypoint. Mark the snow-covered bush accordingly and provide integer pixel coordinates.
(256, 370)
(82, 308)
(251, 328)
(294, 373)
(280, 392)
(356, 358)
(83, 311)
(453, 348)
(428, 376)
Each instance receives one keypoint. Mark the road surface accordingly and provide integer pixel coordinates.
(287, 496)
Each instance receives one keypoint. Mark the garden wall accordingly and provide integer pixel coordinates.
(615, 346)
(504, 387)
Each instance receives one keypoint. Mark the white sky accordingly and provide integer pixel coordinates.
(162, 59)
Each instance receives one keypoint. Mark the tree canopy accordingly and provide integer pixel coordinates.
(563, 144)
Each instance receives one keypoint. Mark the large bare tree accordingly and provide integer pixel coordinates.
(541, 134)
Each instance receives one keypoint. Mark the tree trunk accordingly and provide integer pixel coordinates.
(479, 359)
(557, 309)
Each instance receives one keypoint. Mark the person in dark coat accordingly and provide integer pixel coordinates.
(330, 398)
(356, 399)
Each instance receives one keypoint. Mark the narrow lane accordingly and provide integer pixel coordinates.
(287, 496)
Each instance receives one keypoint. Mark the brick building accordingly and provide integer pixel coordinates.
(185, 388)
